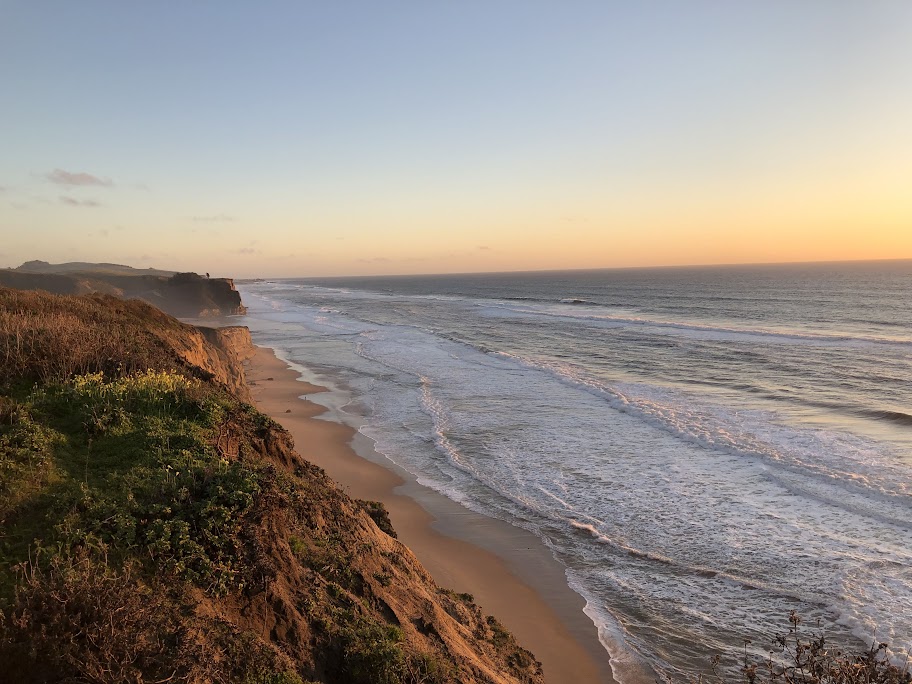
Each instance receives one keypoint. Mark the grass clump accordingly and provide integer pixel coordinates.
(122, 626)
(372, 653)
(375, 652)
(78, 618)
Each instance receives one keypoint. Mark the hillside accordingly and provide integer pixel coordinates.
(155, 527)
(38, 266)
(179, 294)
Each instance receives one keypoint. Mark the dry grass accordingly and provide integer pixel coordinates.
(49, 338)
(76, 619)
(80, 617)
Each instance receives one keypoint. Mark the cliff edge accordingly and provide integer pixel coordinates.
(156, 527)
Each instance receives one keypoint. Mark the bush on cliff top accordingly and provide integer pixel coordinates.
(124, 504)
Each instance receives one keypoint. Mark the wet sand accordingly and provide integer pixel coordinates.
(508, 570)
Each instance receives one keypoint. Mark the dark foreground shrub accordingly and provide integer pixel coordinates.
(811, 659)
(78, 618)
(75, 619)
(799, 658)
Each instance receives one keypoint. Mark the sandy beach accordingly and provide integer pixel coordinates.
(509, 571)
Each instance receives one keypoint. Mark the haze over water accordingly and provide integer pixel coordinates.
(704, 449)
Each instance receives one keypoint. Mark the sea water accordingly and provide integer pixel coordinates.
(703, 449)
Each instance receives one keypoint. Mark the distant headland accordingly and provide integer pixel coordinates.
(187, 295)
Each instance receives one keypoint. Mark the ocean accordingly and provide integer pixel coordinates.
(703, 449)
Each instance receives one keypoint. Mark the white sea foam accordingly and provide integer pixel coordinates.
(682, 517)
(594, 317)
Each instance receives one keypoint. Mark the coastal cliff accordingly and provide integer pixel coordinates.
(155, 526)
(186, 295)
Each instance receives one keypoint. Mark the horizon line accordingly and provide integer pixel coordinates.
(590, 269)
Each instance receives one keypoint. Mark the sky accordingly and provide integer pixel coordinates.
(292, 138)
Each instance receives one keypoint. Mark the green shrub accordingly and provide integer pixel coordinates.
(137, 466)
(372, 653)
(186, 514)
(377, 511)
(78, 618)
(297, 546)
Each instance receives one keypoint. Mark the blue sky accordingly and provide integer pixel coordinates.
(288, 138)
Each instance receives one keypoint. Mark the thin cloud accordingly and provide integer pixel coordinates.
(73, 202)
(386, 260)
(217, 218)
(247, 250)
(160, 257)
(78, 178)
(484, 248)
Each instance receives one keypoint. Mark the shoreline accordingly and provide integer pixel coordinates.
(511, 574)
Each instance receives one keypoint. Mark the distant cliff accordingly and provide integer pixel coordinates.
(186, 295)
(38, 266)
(189, 294)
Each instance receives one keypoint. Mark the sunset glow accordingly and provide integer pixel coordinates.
(415, 139)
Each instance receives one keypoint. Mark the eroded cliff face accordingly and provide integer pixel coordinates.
(331, 568)
(222, 352)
